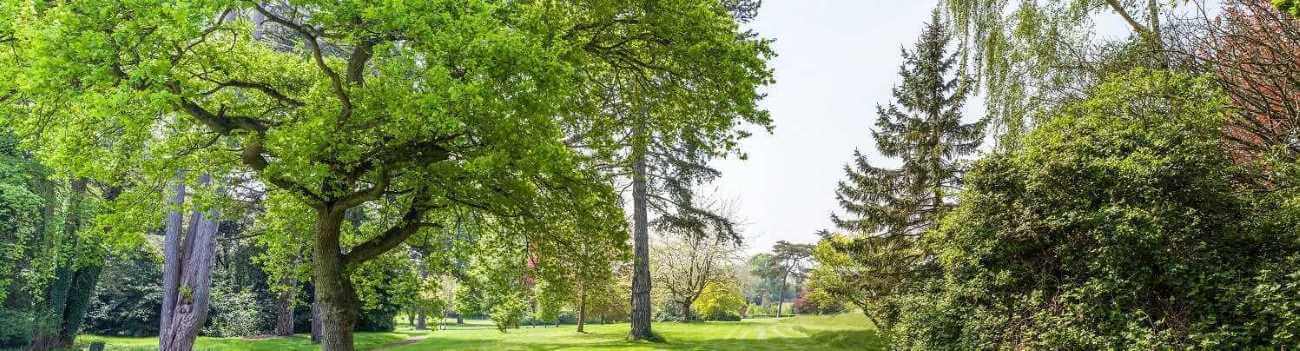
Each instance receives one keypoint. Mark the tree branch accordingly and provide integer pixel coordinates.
(410, 223)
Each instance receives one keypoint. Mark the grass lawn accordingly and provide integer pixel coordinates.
(842, 332)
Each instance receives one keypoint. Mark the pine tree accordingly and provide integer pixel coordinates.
(889, 209)
(924, 130)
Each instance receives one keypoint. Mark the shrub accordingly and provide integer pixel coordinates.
(127, 299)
(720, 302)
(234, 312)
(1117, 225)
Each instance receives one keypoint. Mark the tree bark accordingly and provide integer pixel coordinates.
(78, 304)
(315, 323)
(780, 301)
(284, 313)
(187, 273)
(582, 308)
(686, 310)
(640, 243)
(421, 315)
(335, 294)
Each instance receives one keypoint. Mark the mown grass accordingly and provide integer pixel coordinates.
(826, 333)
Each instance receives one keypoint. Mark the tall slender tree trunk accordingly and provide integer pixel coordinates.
(640, 242)
(582, 307)
(421, 317)
(781, 300)
(187, 273)
(686, 310)
(315, 323)
(286, 300)
(335, 294)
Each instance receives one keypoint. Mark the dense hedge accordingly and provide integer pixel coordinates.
(1117, 225)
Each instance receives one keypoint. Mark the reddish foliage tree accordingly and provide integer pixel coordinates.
(1254, 51)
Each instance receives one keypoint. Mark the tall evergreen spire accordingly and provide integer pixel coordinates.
(923, 129)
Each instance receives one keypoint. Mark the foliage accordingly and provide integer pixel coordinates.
(1117, 225)
(235, 312)
(1031, 56)
(127, 298)
(889, 211)
(720, 301)
(1289, 6)
(684, 267)
(21, 218)
(406, 110)
(923, 128)
(766, 279)
(817, 302)
(1254, 53)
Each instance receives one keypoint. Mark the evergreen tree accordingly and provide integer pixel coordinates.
(890, 208)
(923, 129)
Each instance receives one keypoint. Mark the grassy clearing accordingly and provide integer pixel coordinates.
(829, 333)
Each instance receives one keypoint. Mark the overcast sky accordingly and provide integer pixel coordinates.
(836, 60)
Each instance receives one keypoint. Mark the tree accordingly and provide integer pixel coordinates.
(187, 270)
(281, 255)
(890, 210)
(665, 125)
(1254, 53)
(1030, 56)
(686, 265)
(368, 106)
(790, 259)
(720, 301)
(762, 268)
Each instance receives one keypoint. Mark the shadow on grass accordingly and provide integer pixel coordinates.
(816, 340)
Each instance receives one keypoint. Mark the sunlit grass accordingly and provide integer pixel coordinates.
(839, 332)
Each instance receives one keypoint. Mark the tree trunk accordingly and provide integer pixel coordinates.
(83, 286)
(582, 308)
(187, 273)
(421, 317)
(686, 310)
(315, 323)
(780, 302)
(284, 313)
(334, 291)
(640, 244)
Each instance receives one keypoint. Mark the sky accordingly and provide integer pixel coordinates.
(836, 60)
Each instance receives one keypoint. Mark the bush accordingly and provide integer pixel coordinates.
(15, 328)
(128, 297)
(233, 312)
(720, 302)
(1116, 226)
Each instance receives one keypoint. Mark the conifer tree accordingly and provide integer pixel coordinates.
(923, 128)
(890, 208)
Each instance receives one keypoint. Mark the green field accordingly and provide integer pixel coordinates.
(842, 332)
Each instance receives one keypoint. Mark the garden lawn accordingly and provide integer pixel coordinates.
(841, 332)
